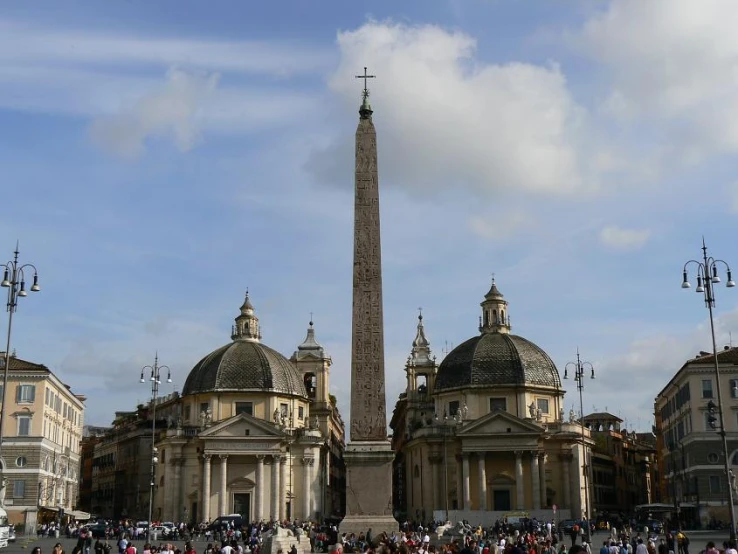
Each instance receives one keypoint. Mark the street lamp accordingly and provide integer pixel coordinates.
(155, 379)
(14, 279)
(707, 276)
(446, 425)
(579, 368)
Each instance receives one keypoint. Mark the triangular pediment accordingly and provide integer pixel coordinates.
(500, 423)
(243, 425)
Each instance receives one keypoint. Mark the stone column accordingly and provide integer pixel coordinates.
(459, 484)
(535, 477)
(259, 500)
(206, 487)
(223, 485)
(435, 462)
(566, 466)
(177, 486)
(465, 479)
(542, 470)
(306, 488)
(274, 507)
(283, 489)
(520, 492)
(482, 481)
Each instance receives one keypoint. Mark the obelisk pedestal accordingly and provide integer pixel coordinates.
(369, 455)
(369, 488)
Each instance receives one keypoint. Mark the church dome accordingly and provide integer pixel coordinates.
(245, 364)
(496, 357)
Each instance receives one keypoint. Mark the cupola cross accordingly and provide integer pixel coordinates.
(365, 77)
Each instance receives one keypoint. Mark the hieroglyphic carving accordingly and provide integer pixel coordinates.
(368, 413)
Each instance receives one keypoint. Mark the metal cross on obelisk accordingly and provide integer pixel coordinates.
(365, 77)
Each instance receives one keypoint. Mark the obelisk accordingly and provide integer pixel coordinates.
(368, 455)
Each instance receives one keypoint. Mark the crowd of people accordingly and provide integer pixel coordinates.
(527, 537)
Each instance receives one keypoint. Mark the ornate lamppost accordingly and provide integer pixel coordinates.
(14, 279)
(448, 425)
(579, 368)
(155, 379)
(707, 276)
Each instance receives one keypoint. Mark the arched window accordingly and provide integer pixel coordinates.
(494, 316)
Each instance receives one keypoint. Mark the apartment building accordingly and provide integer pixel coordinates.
(42, 430)
(690, 450)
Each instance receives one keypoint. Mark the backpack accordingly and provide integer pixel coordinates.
(575, 528)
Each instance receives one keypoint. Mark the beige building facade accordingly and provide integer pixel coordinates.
(257, 434)
(690, 451)
(41, 446)
(485, 432)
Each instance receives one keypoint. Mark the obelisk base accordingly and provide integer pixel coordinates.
(369, 488)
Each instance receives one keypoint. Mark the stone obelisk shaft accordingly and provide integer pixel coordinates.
(368, 456)
(368, 414)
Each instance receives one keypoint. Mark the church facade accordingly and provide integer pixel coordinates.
(257, 434)
(484, 432)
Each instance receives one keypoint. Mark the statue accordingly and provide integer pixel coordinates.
(532, 409)
(315, 422)
(561, 414)
(276, 416)
(539, 414)
(572, 415)
(3, 490)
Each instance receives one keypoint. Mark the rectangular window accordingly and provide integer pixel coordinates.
(300, 413)
(284, 409)
(19, 488)
(25, 393)
(498, 404)
(715, 484)
(453, 408)
(245, 408)
(706, 388)
(204, 406)
(24, 426)
(734, 388)
(542, 404)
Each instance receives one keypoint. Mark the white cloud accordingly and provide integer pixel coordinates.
(672, 60)
(620, 238)
(170, 111)
(447, 119)
(28, 44)
(500, 226)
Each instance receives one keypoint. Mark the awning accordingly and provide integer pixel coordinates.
(79, 515)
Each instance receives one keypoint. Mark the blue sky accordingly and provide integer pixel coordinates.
(161, 157)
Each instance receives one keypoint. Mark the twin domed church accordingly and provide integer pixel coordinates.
(483, 431)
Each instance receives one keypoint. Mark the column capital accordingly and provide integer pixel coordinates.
(566, 456)
(307, 461)
(206, 458)
(260, 457)
(223, 457)
(519, 454)
(276, 458)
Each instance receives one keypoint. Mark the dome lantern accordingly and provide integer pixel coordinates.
(495, 318)
(247, 324)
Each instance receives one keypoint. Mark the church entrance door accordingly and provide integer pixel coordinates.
(242, 505)
(501, 500)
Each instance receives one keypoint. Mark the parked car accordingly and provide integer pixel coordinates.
(654, 525)
(233, 520)
(98, 531)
